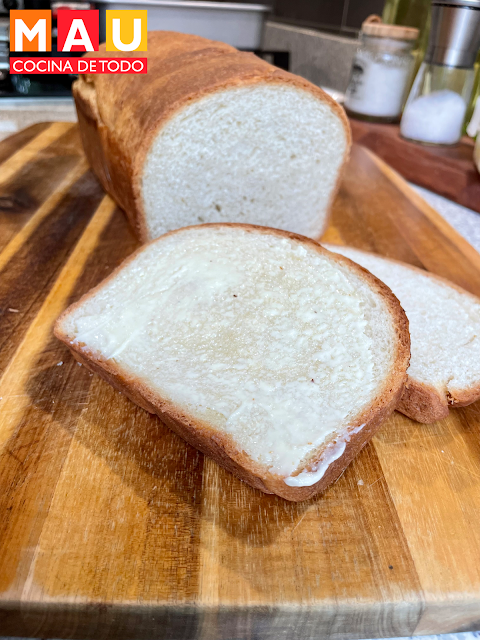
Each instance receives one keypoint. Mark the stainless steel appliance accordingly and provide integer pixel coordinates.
(240, 25)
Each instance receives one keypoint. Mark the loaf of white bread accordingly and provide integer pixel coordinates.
(275, 357)
(211, 134)
(445, 335)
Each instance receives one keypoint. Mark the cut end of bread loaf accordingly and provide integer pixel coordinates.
(445, 336)
(265, 154)
(272, 355)
(212, 134)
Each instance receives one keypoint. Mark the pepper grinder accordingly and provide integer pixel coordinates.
(436, 107)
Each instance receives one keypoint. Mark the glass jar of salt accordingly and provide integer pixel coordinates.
(381, 71)
(438, 101)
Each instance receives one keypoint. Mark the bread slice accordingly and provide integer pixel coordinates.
(445, 333)
(268, 353)
(211, 134)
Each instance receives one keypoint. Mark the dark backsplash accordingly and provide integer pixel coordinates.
(339, 16)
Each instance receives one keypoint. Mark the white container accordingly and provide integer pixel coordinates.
(381, 71)
(436, 107)
(240, 25)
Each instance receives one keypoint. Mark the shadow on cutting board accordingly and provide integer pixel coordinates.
(144, 454)
(135, 508)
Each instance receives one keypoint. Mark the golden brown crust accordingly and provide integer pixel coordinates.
(463, 397)
(220, 446)
(120, 115)
(420, 401)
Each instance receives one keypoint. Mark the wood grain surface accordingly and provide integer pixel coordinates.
(112, 527)
(447, 170)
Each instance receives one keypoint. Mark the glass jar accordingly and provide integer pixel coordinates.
(381, 71)
(411, 13)
(438, 101)
(473, 130)
(437, 104)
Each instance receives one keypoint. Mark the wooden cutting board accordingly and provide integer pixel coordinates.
(111, 526)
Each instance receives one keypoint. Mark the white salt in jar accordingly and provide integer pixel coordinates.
(435, 118)
(437, 104)
(381, 71)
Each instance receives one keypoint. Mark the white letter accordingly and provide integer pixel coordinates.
(15, 68)
(40, 30)
(84, 40)
(137, 62)
(82, 69)
(137, 35)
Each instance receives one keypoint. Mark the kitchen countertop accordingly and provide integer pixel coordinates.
(465, 221)
(18, 113)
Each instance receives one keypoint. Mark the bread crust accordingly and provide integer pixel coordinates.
(220, 446)
(420, 401)
(121, 115)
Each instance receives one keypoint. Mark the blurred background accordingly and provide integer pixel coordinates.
(316, 33)
(411, 64)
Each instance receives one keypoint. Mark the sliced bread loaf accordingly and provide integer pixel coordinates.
(445, 334)
(272, 355)
(211, 134)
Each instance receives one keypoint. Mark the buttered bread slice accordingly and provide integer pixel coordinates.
(445, 332)
(275, 357)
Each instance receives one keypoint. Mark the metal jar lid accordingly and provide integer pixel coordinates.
(455, 33)
(373, 26)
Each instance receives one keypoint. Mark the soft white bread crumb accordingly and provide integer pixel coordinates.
(277, 345)
(212, 134)
(263, 154)
(444, 325)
